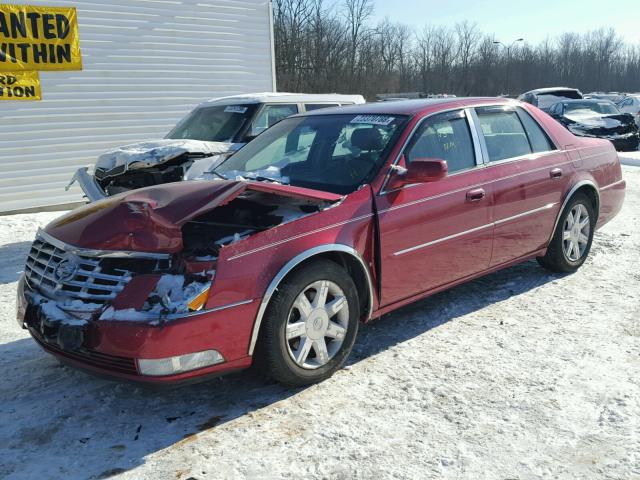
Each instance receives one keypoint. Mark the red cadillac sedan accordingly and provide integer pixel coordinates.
(324, 220)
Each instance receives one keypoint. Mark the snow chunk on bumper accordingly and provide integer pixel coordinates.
(151, 153)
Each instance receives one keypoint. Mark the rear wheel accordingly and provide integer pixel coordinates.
(310, 325)
(572, 239)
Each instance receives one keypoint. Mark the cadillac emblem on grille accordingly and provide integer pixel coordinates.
(65, 270)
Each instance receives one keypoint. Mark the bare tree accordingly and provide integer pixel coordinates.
(322, 46)
(468, 38)
(357, 13)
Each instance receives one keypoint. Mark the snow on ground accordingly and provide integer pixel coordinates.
(630, 158)
(518, 375)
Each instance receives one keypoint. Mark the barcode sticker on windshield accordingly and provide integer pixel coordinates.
(373, 119)
(235, 109)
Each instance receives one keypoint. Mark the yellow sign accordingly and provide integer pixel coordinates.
(39, 38)
(20, 86)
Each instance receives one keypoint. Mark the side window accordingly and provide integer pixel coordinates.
(445, 136)
(503, 133)
(537, 137)
(309, 107)
(270, 115)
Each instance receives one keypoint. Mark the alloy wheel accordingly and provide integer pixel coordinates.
(575, 234)
(317, 324)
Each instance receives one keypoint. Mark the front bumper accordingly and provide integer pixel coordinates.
(622, 142)
(626, 144)
(111, 347)
(88, 184)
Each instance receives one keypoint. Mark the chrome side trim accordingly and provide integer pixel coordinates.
(176, 316)
(472, 230)
(88, 252)
(290, 265)
(611, 185)
(443, 239)
(482, 155)
(472, 120)
(478, 132)
(528, 157)
(524, 214)
(295, 237)
(568, 197)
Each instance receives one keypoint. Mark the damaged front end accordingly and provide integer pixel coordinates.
(147, 259)
(150, 163)
(619, 129)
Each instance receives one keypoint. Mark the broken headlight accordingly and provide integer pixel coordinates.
(179, 294)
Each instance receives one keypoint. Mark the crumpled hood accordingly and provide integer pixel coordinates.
(597, 121)
(155, 152)
(150, 219)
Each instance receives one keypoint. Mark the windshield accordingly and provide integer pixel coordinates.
(218, 123)
(333, 153)
(604, 108)
(545, 100)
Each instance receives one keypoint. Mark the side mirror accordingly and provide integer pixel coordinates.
(420, 170)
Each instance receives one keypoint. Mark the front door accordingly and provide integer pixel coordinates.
(432, 234)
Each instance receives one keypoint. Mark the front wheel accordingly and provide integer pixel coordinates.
(572, 239)
(310, 325)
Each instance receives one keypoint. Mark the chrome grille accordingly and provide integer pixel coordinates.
(57, 272)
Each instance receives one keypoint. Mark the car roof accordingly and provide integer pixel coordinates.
(541, 91)
(283, 97)
(587, 100)
(410, 107)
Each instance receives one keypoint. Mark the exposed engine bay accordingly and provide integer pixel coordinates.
(122, 179)
(71, 286)
(249, 213)
(144, 164)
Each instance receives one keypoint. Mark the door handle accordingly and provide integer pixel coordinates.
(475, 195)
(555, 173)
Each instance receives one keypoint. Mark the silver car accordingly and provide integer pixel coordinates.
(631, 104)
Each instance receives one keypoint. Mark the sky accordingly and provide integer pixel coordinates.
(511, 19)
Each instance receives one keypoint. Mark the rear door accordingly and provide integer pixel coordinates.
(432, 234)
(529, 175)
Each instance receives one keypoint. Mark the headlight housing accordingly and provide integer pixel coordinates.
(179, 294)
(169, 295)
(160, 367)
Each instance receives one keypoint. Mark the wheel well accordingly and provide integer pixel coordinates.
(354, 268)
(591, 193)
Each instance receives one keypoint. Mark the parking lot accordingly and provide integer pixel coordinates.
(518, 375)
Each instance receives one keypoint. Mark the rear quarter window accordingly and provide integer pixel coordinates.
(539, 140)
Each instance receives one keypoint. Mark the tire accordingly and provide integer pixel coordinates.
(289, 348)
(561, 257)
